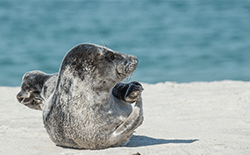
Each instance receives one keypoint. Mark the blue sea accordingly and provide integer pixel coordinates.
(181, 41)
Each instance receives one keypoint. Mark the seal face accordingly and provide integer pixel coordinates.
(86, 106)
(99, 65)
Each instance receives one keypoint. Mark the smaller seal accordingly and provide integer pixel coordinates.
(36, 87)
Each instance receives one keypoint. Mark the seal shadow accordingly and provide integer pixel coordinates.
(138, 141)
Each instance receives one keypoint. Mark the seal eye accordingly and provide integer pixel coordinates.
(112, 57)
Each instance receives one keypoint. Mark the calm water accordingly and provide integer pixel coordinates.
(180, 41)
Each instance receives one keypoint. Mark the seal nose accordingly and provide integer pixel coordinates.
(130, 60)
(135, 60)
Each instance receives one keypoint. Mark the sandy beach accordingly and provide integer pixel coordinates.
(189, 118)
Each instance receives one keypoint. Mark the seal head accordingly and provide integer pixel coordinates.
(100, 66)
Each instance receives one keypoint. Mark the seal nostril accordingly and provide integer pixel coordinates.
(135, 60)
(125, 63)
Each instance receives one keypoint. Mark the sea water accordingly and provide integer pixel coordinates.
(181, 41)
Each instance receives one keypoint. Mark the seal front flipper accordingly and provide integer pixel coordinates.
(127, 128)
(128, 92)
(48, 107)
(119, 90)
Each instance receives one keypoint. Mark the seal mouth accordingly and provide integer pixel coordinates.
(120, 75)
(127, 72)
(127, 67)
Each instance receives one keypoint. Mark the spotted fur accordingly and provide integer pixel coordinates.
(89, 108)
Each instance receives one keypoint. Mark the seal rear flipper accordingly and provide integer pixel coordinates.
(33, 101)
(31, 94)
(126, 129)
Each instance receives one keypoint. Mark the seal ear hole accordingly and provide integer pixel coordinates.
(112, 57)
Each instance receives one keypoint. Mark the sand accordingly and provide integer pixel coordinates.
(190, 118)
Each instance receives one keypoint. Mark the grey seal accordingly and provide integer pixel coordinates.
(89, 107)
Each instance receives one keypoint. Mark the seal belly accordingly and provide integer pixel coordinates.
(92, 127)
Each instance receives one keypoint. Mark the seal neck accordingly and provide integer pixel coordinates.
(87, 91)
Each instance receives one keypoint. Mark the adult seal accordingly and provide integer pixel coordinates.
(89, 107)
